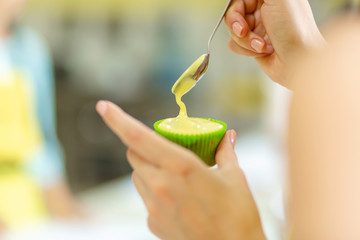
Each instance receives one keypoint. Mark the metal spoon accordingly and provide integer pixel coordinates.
(203, 67)
(194, 73)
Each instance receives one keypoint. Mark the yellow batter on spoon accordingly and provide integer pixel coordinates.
(182, 123)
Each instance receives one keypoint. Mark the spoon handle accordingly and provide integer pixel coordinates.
(217, 25)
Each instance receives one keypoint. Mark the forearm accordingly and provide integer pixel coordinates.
(324, 141)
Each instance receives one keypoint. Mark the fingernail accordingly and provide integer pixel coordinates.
(237, 29)
(101, 107)
(232, 137)
(257, 45)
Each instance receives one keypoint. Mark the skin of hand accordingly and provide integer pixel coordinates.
(2, 227)
(185, 199)
(62, 204)
(324, 139)
(9, 10)
(274, 32)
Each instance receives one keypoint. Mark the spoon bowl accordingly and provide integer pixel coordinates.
(202, 68)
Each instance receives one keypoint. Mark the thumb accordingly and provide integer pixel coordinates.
(225, 154)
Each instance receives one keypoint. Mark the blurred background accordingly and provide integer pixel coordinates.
(131, 52)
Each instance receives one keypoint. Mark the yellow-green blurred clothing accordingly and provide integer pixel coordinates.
(30, 155)
(19, 129)
(21, 200)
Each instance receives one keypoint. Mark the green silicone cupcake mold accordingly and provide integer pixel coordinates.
(204, 144)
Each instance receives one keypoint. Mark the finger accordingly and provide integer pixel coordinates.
(150, 203)
(255, 24)
(235, 21)
(156, 228)
(250, 41)
(257, 16)
(250, 5)
(144, 141)
(225, 154)
(233, 46)
(236, 7)
(145, 169)
(240, 31)
(142, 188)
(150, 198)
(260, 31)
(250, 20)
(253, 42)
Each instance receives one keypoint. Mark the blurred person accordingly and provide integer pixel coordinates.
(187, 200)
(32, 185)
